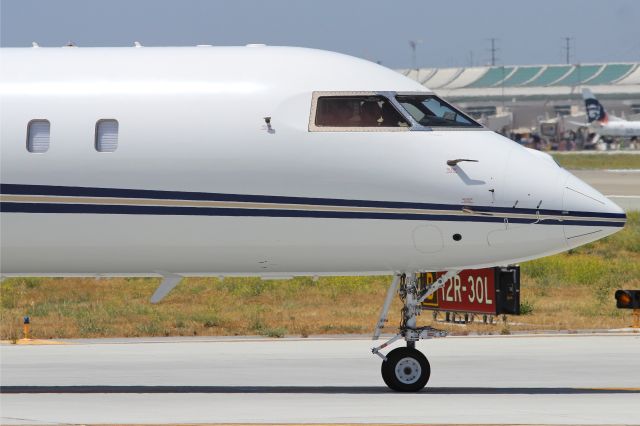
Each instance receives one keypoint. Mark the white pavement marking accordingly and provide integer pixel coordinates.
(551, 379)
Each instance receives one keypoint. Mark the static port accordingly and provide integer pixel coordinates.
(457, 237)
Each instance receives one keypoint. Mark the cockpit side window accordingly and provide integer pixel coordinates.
(356, 113)
(431, 111)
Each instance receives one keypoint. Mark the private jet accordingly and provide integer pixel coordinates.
(267, 161)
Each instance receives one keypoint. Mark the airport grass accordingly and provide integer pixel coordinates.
(570, 291)
(598, 161)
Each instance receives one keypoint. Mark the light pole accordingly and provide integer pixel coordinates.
(414, 57)
(567, 49)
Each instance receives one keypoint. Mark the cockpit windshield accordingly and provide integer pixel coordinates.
(431, 111)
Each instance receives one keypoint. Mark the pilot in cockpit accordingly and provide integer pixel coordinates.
(370, 114)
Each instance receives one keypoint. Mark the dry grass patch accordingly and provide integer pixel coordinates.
(598, 161)
(73, 307)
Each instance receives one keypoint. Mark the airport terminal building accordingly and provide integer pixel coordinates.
(521, 97)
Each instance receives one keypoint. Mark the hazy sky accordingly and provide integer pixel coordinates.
(453, 33)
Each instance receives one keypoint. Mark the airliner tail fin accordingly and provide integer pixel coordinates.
(595, 110)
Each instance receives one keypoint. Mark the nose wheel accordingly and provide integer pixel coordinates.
(406, 369)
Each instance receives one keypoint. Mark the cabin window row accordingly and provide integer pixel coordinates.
(39, 136)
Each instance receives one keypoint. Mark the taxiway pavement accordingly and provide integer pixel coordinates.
(558, 379)
(621, 186)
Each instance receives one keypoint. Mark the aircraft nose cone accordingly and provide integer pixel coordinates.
(591, 215)
(581, 197)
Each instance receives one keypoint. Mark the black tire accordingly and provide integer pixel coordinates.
(406, 370)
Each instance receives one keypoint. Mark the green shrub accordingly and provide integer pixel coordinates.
(526, 307)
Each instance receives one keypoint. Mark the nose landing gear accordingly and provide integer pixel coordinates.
(407, 369)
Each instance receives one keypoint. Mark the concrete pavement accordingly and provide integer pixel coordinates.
(560, 379)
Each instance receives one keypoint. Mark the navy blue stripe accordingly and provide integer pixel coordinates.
(11, 207)
(79, 191)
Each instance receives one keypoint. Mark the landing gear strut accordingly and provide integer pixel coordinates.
(407, 369)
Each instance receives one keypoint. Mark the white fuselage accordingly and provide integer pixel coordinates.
(200, 186)
(618, 128)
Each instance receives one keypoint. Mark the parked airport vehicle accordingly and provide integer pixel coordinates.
(272, 162)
